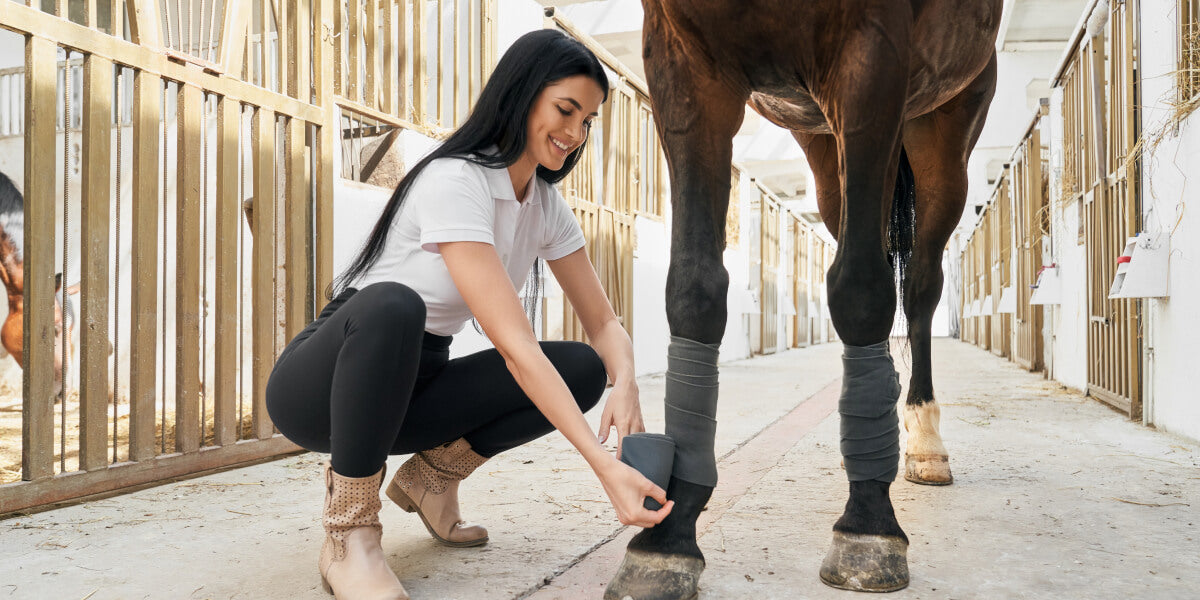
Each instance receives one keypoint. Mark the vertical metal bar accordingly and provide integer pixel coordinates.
(37, 409)
(225, 369)
(420, 81)
(353, 16)
(94, 215)
(324, 141)
(147, 108)
(263, 290)
(370, 57)
(297, 241)
(187, 271)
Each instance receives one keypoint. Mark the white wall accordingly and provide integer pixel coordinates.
(1171, 379)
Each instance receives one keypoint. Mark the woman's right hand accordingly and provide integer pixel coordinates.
(627, 490)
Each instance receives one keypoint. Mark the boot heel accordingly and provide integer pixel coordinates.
(400, 498)
(325, 584)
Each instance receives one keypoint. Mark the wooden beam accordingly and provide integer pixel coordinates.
(228, 225)
(296, 235)
(263, 266)
(39, 24)
(187, 270)
(23, 495)
(37, 412)
(147, 108)
(145, 25)
(231, 47)
(94, 305)
(326, 75)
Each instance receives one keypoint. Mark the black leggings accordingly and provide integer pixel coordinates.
(365, 380)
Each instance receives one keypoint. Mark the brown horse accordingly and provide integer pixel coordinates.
(12, 275)
(887, 99)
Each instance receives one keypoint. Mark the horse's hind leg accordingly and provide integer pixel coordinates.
(938, 146)
(697, 117)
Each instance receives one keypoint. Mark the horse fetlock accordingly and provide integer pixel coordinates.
(676, 534)
(926, 460)
(866, 563)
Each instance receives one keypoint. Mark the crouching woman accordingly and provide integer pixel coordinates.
(370, 377)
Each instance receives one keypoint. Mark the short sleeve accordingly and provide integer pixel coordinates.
(563, 234)
(450, 202)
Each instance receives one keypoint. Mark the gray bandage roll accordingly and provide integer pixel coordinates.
(691, 408)
(653, 455)
(870, 427)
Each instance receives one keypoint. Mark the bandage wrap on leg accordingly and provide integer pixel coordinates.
(691, 409)
(870, 426)
(653, 455)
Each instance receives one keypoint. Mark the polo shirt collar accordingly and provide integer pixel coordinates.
(501, 185)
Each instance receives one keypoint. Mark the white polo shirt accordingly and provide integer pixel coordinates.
(455, 200)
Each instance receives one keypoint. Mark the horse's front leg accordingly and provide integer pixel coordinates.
(696, 118)
(865, 110)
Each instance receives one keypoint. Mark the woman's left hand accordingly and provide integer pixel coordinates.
(623, 411)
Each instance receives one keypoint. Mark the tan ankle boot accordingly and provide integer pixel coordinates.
(352, 563)
(427, 484)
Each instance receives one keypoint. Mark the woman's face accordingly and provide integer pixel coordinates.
(560, 118)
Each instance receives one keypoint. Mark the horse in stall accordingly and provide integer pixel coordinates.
(12, 270)
(887, 99)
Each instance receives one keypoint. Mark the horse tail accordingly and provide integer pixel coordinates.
(902, 225)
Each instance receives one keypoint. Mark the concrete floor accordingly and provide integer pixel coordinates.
(1055, 496)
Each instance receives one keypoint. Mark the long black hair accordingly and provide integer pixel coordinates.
(536, 60)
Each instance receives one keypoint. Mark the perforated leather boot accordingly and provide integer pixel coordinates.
(352, 564)
(427, 484)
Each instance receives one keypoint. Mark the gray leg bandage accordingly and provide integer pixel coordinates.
(652, 454)
(691, 409)
(870, 427)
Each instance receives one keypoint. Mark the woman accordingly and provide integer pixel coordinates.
(370, 377)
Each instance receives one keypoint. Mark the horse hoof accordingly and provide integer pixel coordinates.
(654, 576)
(928, 469)
(866, 563)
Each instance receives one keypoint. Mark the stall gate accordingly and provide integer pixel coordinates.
(1100, 122)
(1029, 186)
(205, 255)
(966, 325)
(983, 281)
(801, 292)
(621, 175)
(768, 264)
(1001, 265)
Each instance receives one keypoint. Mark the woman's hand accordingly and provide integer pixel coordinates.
(627, 490)
(623, 410)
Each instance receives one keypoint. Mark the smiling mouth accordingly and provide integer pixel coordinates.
(562, 148)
